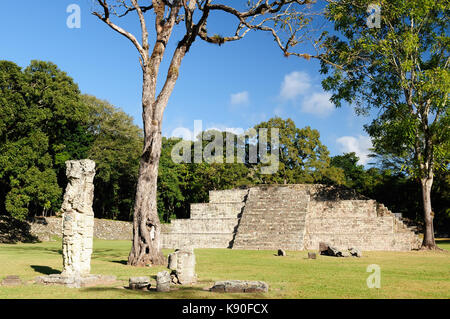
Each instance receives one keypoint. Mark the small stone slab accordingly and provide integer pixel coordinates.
(12, 281)
(139, 283)
(281, 252)
(75, 281)
(163, 280)
(239, 286)
(312, 256)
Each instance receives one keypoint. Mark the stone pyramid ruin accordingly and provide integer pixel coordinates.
(292, 217)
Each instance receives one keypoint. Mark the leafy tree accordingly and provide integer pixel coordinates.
(116, 146)
(172, 184)
(41, 124)
(401, 69)
(268, 16)
(355, 174)
(303, 158)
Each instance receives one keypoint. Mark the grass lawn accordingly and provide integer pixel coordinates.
(414, 274)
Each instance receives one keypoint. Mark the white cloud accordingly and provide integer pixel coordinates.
(295, 84)
(360, 145)
(318, 104)
(240, 98)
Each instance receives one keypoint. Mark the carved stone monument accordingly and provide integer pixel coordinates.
(77, 229)
(78, 218)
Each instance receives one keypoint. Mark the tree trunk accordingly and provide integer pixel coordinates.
(428, 236)
(146, 249)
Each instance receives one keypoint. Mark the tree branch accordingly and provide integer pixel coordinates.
(105, 17)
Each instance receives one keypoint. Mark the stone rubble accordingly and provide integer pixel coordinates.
(327, 250)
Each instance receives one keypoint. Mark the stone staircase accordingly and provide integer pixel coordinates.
(399, 225)
(273, 218)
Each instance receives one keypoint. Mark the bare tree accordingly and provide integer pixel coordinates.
(286, 20)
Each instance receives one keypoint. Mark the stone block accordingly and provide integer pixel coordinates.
(139, 283)
(12, 281)
(240, 286)
(281, 252)
(163, 280)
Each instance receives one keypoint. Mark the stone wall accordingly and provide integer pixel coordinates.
(292, 217)
(46, 228)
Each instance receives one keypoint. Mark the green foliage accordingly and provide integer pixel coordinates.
(39, 126)
(303, 158)
(402, 69)
(172, 185)
(44, 122)
(116, 149)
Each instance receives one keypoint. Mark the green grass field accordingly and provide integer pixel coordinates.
(414, 274)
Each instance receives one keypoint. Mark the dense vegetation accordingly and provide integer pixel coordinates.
(46, 120)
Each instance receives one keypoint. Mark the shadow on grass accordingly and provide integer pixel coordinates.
(31, 248)
(181, 292)
(123, 262)
(45, 270)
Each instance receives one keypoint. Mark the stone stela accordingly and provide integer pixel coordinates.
(77, 229)
(78, 218)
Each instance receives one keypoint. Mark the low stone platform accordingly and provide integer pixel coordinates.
(240, 286)
(12, 281)
(74, 281)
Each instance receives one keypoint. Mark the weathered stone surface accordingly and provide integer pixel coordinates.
(78, 218)
(12, 281)
(182, 264)
(239, 286)
(75, 281)
(281, 252)
(312, 255)
(163, 281)
(139, 283)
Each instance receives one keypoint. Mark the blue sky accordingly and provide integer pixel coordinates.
(234, 86)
